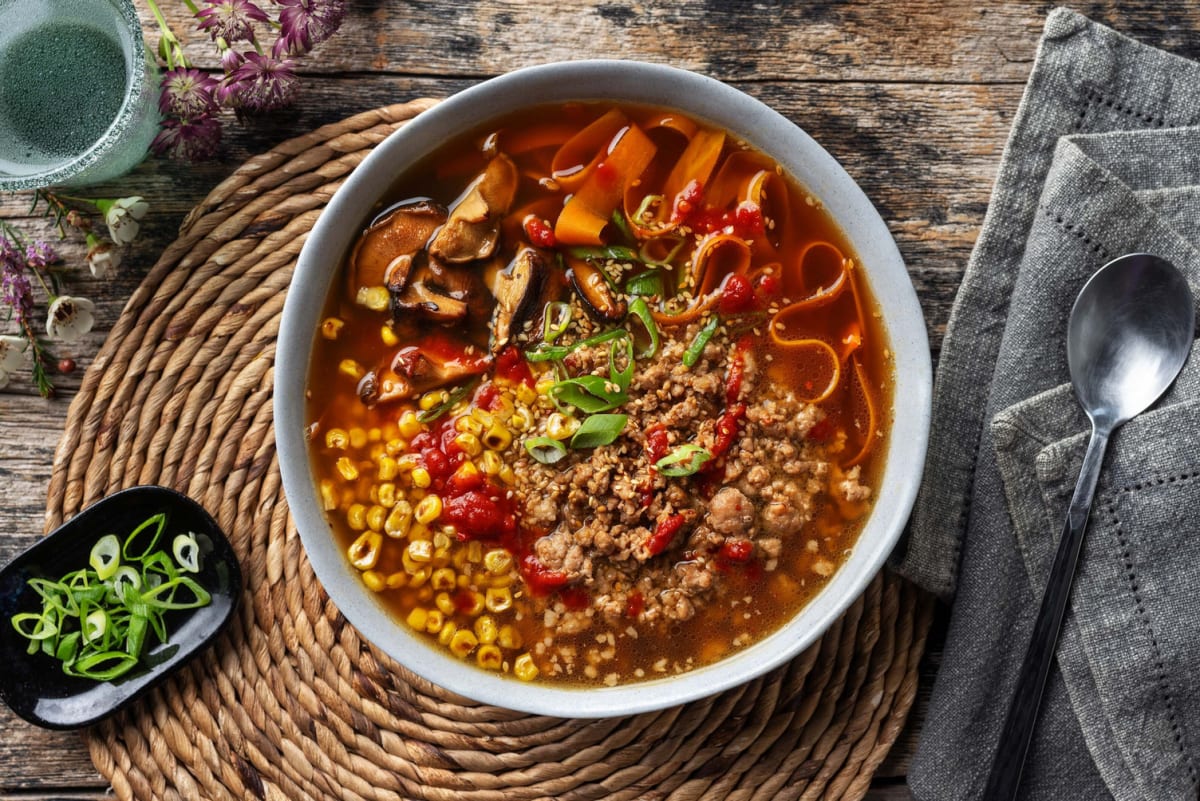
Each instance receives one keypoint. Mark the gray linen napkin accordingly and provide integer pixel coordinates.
(1100, 163)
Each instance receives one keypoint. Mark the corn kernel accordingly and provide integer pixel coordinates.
(410, 426)
(542, 387)
(498, 599)
(351, 368)
(420, 531)
(502, 407)
(399, 521)
(375, 517)
(485, 418)
(497, 438)
(417, 618)
(375, 298)
(489, 657)
(486, 629)
(385, 494)
(509, 637)
(465, 474)
(336, 438)
(420, 551)
(490, 463)
(388, 469)
(331, 327)
(449, 629)
(364, 551)
(463, 642)
(428, 510)
(407, 462)
(374, 580)
(472, 603)
(521, 419)
(433, 398)
(356, 516)
(507, 475)
(526, 394)
(346, 468)
(434, 621)
(420, 477)
(417, 580)
(445, 603)
(468, 425)
(358, 437)
(374, 434)
(475, 551)
(416, 494)
(498, 561)
(469, 443)
(524, 668)
(395, 446)
(559, 426)
(389, 336)
(397, 580)
(443, 579)
(328, 498)
(425, 593)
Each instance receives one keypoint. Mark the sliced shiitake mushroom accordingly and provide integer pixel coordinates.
(590, 283)
(427, 299)
(517, 289)
(384, 253)
(472, 230)
(437, 360)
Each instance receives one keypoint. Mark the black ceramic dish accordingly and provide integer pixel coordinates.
(34, 686)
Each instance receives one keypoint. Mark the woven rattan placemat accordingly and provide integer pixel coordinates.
(291, 703)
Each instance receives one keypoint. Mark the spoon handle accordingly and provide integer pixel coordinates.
(1017, 734)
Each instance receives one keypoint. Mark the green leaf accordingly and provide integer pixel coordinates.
(599, 429)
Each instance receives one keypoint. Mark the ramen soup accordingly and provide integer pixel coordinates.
(599, 397)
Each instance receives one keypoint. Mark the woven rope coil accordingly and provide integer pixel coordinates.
(291, 703)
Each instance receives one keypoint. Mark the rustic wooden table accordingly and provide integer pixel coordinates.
(914, 98)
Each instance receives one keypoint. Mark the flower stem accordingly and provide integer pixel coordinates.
(40, 375)
(173, 48)
(191, 7)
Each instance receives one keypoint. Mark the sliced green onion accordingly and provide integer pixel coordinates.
(155, 525)
(555, 319)
(187, 552)
(696, 348)
(95, 625)
(644, 206)
(545, 352)
(452, 398)
(106, 556)
(599, 429)
(621, 224)
(589, 393)
(667, 261)
(648, 284)
(102, 666)
(640, 311)
(604, 253)
(622, 378)
(546, 450)
(684, 460)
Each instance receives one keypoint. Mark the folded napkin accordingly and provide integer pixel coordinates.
(1101, 162)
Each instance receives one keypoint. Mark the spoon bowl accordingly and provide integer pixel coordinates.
(1128, 336)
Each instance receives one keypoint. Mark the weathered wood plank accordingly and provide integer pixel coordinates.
(919, 40)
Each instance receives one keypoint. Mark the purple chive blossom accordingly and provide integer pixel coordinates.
(231, 20)
(15, 290)
(187, 94)
(190, 140)
(303, 24)
(39, 255)
(261, 83)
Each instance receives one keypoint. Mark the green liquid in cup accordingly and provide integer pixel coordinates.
(80, 69)
(78, 92)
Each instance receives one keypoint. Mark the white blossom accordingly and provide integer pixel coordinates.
(122, 216)
(69, 318)
(14, 353)
(102, 257)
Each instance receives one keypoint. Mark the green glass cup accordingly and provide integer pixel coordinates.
(78, 92)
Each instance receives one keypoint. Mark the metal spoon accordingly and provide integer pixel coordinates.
(1127, 338)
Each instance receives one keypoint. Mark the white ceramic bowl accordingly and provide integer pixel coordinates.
(767, 131)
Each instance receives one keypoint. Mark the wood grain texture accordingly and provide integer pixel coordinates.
(914, 98)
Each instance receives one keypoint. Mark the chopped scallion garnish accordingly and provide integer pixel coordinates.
(546, 450)
(640, 311)
(684, 460)
(696, 348)
(599, 429)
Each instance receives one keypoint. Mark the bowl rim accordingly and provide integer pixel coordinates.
(763, 128)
